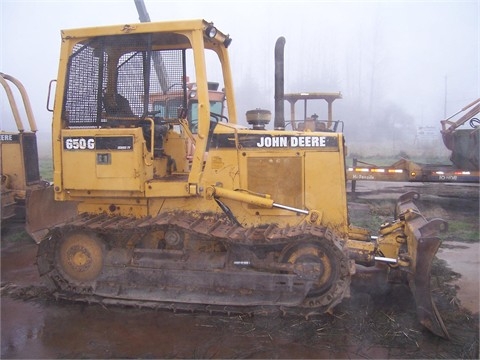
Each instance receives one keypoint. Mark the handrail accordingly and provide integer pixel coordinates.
(13, 104)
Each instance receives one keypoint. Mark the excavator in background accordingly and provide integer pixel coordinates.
(20, 173)
(461, 139)
(463, 142)
(256, 221)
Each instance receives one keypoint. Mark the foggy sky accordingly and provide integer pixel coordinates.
(422, 56)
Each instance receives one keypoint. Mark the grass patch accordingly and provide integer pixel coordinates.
(14, 232)
(371, 214)
(461, 231)
(372, 224)
(46, 168)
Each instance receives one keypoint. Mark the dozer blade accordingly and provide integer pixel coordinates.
(43, 212)
(423, 245)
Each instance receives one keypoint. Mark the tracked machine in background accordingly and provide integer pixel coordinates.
(257, 221)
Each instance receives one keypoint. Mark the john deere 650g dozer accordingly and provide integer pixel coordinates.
(257, 222)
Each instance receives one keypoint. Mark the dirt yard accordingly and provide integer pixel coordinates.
(371, 324)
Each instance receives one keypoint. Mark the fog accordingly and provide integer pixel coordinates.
(399, 65)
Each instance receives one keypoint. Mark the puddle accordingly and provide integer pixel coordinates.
(464, 258)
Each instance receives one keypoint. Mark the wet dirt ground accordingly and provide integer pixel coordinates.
(371, 324)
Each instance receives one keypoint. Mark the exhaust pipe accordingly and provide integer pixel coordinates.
(279, 120)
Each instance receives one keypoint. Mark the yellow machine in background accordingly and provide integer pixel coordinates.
(310, 102)
(20, 172)
(252, 220)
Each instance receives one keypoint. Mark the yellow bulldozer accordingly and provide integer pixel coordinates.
(20, 173)
(255, 220)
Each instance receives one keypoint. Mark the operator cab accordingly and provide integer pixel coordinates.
(139, 80)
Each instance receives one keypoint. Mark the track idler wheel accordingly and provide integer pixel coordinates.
(333, 282)
(80, 258)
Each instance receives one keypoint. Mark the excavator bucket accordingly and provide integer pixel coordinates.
(43, 212)
(423, 245)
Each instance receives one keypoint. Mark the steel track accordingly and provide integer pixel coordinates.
(121, 231)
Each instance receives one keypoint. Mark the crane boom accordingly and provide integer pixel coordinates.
(157, 60)
(142, 11)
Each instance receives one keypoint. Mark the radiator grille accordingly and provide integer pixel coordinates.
(279, 177)
(30, 157)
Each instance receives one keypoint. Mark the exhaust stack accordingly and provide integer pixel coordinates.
(279, 120)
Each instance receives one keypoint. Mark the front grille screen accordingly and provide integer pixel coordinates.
(30, 157)
(118, 76)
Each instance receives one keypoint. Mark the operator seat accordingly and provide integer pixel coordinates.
(116, 105)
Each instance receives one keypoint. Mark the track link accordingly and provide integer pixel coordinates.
(275, 255)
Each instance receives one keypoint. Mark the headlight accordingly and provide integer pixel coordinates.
(211, 31)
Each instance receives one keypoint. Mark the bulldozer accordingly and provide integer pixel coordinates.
(20, 172)
(255, 221)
